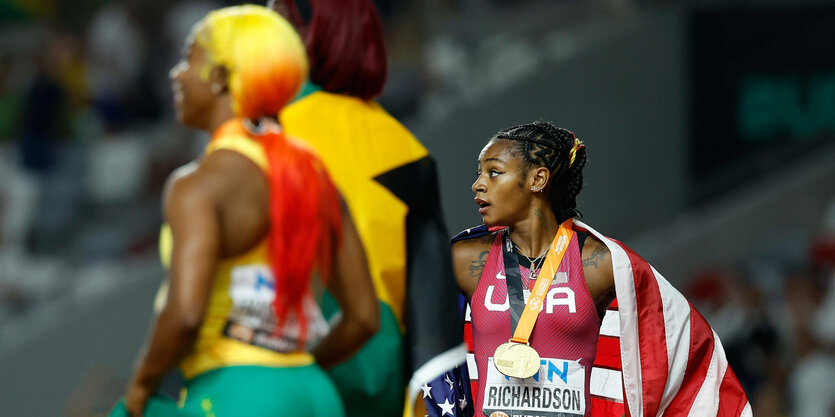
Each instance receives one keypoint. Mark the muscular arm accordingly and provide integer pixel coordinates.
(468, 260)
(351, 286)
(600, 278)
(190, 210)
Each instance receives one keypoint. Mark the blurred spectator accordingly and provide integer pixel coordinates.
(738, 311)
(44, 117)
(810, 381)
(116, 56)
(10, 98)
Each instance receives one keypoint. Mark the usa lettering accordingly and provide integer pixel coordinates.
(559, 296)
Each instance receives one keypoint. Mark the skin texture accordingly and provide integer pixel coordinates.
(218, 208)
(507, 187)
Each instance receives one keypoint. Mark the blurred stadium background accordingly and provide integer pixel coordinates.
(710, 127)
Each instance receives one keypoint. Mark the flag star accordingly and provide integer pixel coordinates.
(446, 407)
(427, 390)
(449, 381)
(462, 403)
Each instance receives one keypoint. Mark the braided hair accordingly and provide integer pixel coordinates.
(543, 144)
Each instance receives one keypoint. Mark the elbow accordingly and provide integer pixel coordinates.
(185, 322)
(190, 325)
(368, 323)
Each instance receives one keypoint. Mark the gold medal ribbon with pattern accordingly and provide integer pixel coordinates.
(516, 358)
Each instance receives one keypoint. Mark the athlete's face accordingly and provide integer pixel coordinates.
(502, 189)
(193, 96)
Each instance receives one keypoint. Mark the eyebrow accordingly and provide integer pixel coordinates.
(492, 159)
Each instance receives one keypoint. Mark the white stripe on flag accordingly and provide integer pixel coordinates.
(472, 368)
(606, 383)
(746, 412)
(630, 355)
(611, 324)
(706, 403)
(677, 332)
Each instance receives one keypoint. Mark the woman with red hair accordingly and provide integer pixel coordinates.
(390, 185)
(257, 229)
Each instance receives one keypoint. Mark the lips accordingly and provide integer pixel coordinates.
(482, 205)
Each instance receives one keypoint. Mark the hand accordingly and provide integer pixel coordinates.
(136, 399)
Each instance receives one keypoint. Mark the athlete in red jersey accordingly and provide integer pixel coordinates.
(565, 335)
(528, 180)
(655, 354)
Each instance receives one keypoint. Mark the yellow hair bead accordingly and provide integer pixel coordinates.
(573, 152)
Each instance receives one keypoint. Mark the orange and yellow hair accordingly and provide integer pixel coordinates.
(262, 53)
(266, 64)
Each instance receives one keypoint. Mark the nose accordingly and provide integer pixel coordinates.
(479, 186)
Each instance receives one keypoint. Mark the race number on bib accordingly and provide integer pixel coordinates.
(557, 390)
(251, 319)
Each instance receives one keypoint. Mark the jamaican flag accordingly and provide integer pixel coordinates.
(390, 185)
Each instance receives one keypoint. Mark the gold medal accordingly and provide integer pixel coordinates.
(516, 360)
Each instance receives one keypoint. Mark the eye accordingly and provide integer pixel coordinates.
(495, 173)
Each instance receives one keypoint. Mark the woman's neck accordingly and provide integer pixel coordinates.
(220, 113)
(533, 235)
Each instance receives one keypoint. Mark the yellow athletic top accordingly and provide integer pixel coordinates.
(238, 328)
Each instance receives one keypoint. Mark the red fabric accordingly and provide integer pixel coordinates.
(608, 353)
(651, 334)
(602, 406)
(468, 335)
(701, 350)
(731, 393)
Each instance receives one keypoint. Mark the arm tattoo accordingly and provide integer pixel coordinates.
(598, 255)
(477, 266)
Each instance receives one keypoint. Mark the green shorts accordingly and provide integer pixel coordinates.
(254, 391)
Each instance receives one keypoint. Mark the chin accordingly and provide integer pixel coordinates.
(190, 122)
(490, 222)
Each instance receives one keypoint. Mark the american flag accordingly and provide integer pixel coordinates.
(449, 395)
(656, 354)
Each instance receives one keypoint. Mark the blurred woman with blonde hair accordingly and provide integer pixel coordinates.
(258, 230)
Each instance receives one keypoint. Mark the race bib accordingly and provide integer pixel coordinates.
(251, 319)
(558, 390)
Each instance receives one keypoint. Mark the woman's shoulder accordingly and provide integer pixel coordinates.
(472, 242)
(177, 175)
(212, 176)
(469, 257)
(241, 144)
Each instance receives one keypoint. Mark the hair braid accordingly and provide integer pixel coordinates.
(543, 144)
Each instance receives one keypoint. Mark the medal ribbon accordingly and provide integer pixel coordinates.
(513, 279)
(525, 324)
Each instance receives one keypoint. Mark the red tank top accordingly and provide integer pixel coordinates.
(565, 336)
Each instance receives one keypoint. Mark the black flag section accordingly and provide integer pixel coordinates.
(433, 322)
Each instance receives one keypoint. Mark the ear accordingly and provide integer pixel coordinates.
(219, 79)
(539, 179)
